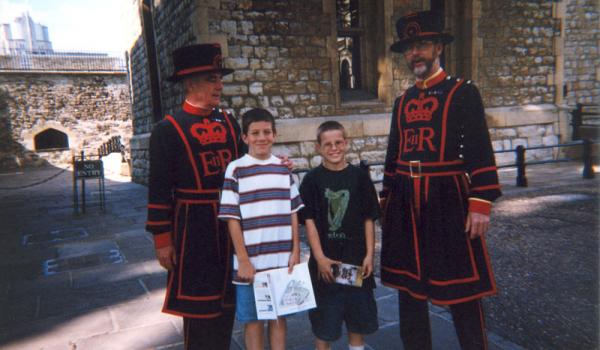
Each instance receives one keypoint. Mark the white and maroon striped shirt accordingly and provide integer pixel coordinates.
(262, 195)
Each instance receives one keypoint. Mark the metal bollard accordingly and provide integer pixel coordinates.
(577, 121)
(588, 169)
(521, 177)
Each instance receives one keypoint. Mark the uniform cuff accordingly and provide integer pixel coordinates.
(480, 206)
(162, 240)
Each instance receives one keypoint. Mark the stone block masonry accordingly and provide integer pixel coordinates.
(285, 54)
(88, 108)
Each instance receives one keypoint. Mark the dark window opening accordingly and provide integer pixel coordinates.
(350, 40)
(51, 139)
(349, 57)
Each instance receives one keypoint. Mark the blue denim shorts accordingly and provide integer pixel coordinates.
(245, 310)
(343, 304)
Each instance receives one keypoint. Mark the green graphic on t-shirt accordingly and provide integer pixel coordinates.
(337, 206)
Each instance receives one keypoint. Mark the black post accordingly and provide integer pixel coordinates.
(83, 186)
(577, 121)
(521, 177)
(588, 169)
(75, 194)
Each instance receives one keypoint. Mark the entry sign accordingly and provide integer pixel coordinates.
(89, 169)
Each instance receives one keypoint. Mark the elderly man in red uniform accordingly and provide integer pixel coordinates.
(189, 152)
(440, 180)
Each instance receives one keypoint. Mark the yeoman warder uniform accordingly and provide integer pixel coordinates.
(189, 152)
(439, 166)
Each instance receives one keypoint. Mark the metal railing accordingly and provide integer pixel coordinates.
(62, 62)
(520, 161)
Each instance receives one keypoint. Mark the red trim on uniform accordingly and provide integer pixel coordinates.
(180, 295)
(216, 222)
(185, 314)
(465, 182)
(159, 206)
(460, 197)
(416, 242)
(233, 135)
(440, 302)
(198, 201)
(445, 173)
(195, 110)
(169, 284)
(480, 207)
(400, 108)
(488, 264)
(204, 298)
(158, 223)
(162, 240)
(198, 69)
(197, 190)
(417, 190)
(188, 149)
(182, 252)
(475, 276)
(463, 300)
(400, 272)
(426, 189)
(483, 188)
(424, 164)
(427, 83)
(483, 170)
(445, 118)
(413, 294)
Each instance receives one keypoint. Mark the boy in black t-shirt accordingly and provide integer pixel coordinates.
(340, 207)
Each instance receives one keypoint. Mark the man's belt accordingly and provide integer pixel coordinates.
(189, 194)
(417, 168)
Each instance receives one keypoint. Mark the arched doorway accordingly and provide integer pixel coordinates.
(50, 139)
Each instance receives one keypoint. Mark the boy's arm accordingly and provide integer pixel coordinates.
(245, 269)
(323, 262)
(367, 265)
(295, 256)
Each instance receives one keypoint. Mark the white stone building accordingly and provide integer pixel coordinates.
(24, 35)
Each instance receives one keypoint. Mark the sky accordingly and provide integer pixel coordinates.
(76, 25)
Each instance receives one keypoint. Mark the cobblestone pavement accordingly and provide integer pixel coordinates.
(91, 282)
(544, 249)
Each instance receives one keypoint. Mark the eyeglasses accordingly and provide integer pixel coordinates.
(420, 45)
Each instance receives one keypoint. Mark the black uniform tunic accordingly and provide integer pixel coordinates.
(439, 165)
(189, 153)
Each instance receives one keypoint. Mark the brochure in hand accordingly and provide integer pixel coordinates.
(278, 293)
(347, 274)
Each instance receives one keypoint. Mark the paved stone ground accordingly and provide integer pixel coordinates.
(91, 282)
(544, 249)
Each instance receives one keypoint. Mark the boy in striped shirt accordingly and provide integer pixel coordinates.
(260, 202)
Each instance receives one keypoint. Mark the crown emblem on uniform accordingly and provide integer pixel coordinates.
(420, 109)
(209, 132)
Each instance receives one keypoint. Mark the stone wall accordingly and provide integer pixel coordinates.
(581, 51)
(284, 53)
(89, 108)
(142, 112)
(517, 58)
